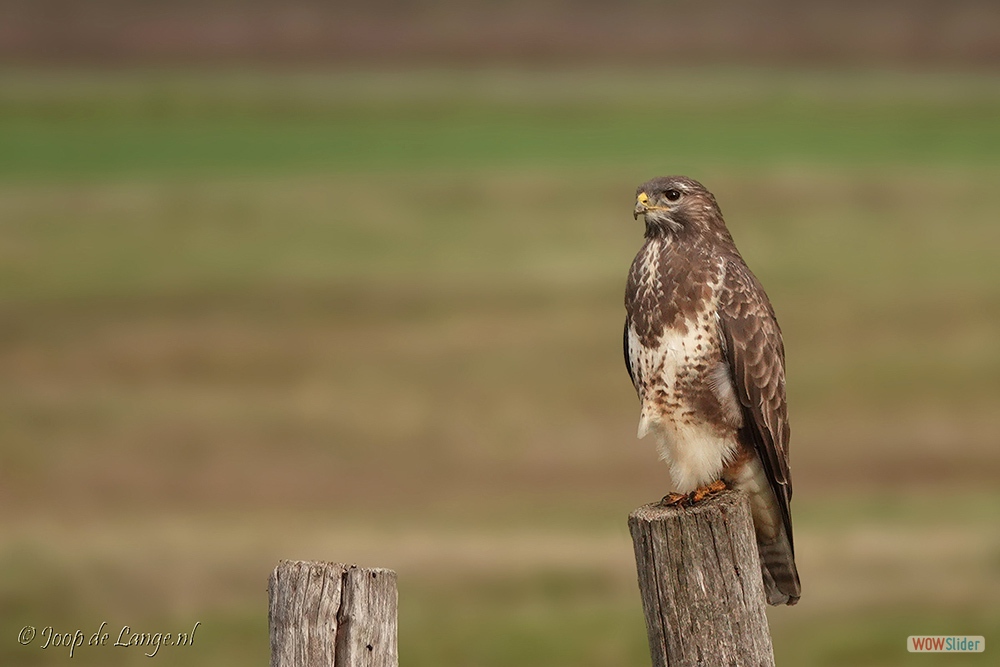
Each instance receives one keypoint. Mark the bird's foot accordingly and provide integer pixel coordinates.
(703, 492)
(695, 497)
(674, 499)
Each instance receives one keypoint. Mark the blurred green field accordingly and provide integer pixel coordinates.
(135, 124)
(375, 316)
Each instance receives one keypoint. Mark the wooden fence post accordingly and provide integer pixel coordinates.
(332, 615)
(700, 580)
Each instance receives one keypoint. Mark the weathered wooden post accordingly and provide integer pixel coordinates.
(332, 615)
(700, 580)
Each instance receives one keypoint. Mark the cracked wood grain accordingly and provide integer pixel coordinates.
(700, 580)
(332, 615)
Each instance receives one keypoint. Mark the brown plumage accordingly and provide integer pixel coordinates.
(705, 353)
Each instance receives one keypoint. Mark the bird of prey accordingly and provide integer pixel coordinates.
(705, 354)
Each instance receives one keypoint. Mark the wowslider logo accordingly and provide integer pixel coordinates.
(945, 644)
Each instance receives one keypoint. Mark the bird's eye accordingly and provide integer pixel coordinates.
(672, 195)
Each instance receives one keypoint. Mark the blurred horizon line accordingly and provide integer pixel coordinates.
(886, 32)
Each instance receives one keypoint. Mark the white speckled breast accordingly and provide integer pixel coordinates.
(668, 377)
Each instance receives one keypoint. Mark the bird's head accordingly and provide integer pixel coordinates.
(675, 205)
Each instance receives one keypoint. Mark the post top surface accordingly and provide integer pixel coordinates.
(719, 502)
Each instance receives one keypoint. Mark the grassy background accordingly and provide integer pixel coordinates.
(375, 316)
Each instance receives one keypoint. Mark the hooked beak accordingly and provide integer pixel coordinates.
(641, 205)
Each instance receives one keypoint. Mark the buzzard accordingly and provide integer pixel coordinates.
(705, 354)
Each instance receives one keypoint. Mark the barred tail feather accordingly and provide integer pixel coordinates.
(777, 558)
(777, 564)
